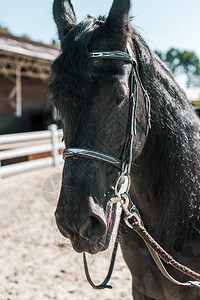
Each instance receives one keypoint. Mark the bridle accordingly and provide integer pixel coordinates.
(122, 186)
(125, 162)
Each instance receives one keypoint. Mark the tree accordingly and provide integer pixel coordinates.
(183, 62)
(54, 43)
(25, 36)
(4, 29)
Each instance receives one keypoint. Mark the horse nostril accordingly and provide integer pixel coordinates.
(92, 228)
(64, 230)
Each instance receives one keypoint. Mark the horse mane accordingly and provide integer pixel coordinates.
(171, 154)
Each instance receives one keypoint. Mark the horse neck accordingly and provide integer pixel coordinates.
(166, 175)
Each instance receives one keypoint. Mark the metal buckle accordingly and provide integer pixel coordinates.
(131, 216)
(122, 185)
(130, 213)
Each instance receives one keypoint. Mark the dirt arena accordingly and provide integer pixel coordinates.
(35, 263)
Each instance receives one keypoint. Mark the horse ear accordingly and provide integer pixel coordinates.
(64, 16)
(119, 14)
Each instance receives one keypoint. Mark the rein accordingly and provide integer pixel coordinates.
(111, 267)
(121, 189)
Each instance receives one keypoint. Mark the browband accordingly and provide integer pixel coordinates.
(117, 55)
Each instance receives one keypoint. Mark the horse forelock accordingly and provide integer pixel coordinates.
(71, 72)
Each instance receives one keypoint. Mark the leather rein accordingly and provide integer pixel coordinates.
(122, 186)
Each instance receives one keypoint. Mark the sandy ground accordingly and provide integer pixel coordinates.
(33, 267)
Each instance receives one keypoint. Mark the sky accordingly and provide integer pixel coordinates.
(163, 24)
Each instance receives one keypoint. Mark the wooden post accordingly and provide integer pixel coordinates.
(0, 172)
(18, 93)
(54, 140)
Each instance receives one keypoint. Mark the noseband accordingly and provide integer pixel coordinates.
(124, 163)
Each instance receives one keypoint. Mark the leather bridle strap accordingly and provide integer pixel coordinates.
(103, 285)
(163, 270)
(95, 155)
(116, 55)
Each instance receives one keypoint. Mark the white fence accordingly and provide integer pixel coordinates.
(53, 146)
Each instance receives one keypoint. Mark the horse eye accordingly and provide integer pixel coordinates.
(119, 100)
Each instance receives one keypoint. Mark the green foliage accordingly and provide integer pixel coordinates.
(25, 36)
(54, 43)
(4, 29)
(183, 62)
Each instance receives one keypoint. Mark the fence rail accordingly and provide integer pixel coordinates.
(54, 146)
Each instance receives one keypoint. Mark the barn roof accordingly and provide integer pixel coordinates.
(23, 58)
(21, 55)
(27, 47)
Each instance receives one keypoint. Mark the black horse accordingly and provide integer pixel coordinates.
(93, 98)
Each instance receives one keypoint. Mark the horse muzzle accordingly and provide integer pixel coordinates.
(90, 235)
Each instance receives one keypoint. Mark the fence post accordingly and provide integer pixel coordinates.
(54, 140)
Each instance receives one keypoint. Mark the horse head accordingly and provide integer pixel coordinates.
(93, 98)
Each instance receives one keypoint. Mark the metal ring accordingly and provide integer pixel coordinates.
(118, 187)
